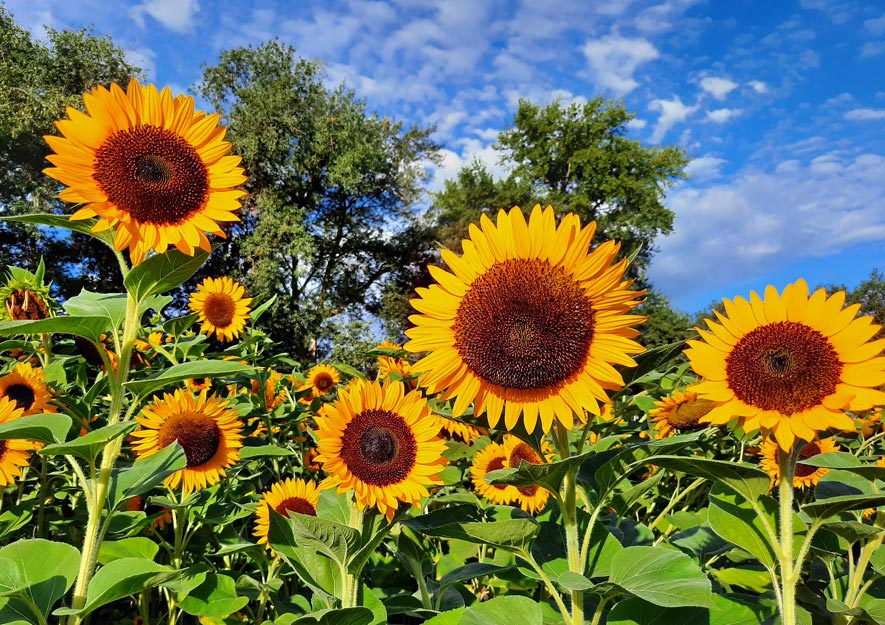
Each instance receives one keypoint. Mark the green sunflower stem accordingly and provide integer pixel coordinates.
(789, 570)
(568, 507)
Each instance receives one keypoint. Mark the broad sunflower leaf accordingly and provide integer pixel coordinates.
(726, 611)
(91, 444)
(83, 226)
(44, 428)
(470, 571)
(333, 539)
(43, 572)
(89, 327)
(139, 547)
(341, 616)
(661, 576)
(648, 361)
(747, 480)
(500, 526)
(187, 371)
(503, 611)
(732, 518)
(89, 304)
(830, 507)
(215, 597)
(143, 475)
(163, 272)
(846, 462)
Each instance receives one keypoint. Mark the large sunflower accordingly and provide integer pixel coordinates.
(678, 413)
(14, 453)
(526, 322)
(287, 496)
(209, 431)
(532, 499)
(221, 307)
(790, 364)
(380, 443)
(25, 386)
(491, 458)
(144, 162)
(805, 476)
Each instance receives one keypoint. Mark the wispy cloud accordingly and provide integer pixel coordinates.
(613, 60)
(672, 112)
(865, 114)
(177, 15)
(719, 88)
(721, 116)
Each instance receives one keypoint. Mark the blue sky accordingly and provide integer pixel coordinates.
(781, 104)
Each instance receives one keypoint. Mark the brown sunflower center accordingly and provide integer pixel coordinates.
(3, 447)
(295, 504)
(25, 305)
(494, 464)
(686, 416)
(522, 452)
(155, 175)
(378, 447)
(784, 366)
(220, 309)
(524, 324)
(22, 394)
(198, 435)
(804, 470)
(323, 382)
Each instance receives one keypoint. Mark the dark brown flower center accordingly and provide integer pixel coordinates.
(323, 382)
(295, 504)
(804, 470)
(524, 324)
(3, 447)
(22, 394)
(784, 366)
(219, 309)
(523, 452)
(686, 416)
(378, 447)
(25, 305)
(155, 175)
(494, 464)
(198, 435)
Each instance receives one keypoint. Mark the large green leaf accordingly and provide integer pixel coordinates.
(727, 611)
(144, 475)
(333, 539)
(264, 451)
(834, 505)
(499, 526)
(342, 616)
(661, 576)
(187, 371)
(83, 226)
(139, 547)
(506, 610)
(163, 272)
(470, 571)
(43, 428)
(649, 361)
(90, 327)
(732, 518)
(215, 597)
(846, 462)
(548, 475)
(321, 574)
(38, 572)
(91, 444)
(747, 480)
(89, 304)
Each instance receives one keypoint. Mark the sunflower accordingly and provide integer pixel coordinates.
(382, 444)
(453, 428)
(25, 296)
(679, 412)
(391, 364)
(144, 162)
(532, 499)
(25, 386)
(14, 453)
(491, 458)
(287, 496)
(790, 364)
(272, 398)
(806, 476)
(209, 431)
(221, 307)
(321, 380)
(528, 322)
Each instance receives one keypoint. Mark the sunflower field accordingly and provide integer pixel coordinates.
(522, 458)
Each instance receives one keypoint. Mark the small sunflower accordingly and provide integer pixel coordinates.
(25, 386)
(805, 476)
(272, 398)
(221, 307)
(453, 428)
(209, 431)
(790, 364)
(198, 384)
(287, 496)
(322, 379)
(679, 412)
(145, 163)
(14, 453)
(391, 364)
(532, 499)
(380, 443)
(527, 322)
(491, 458)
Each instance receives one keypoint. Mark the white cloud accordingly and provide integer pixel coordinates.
(177, 15)
(613, 59)
(876, 25)
(672, 112)
(637, 124)
(865, 114)
(452, 162)
(721, 116)
(705, 168)
(145, 58)
(758, 86)
(718, 87)
(872, 49)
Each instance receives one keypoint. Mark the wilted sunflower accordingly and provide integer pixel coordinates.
(805, 476)
(491, 458)
(380, 443)
(287, 496)
(14, 453)
(532, 499)
(678, 413)
(25, 386)
(221, 307)
(526, 322)
(144, 162)
(789, 364)
(321, 379)
(207, 429)
(24, 296)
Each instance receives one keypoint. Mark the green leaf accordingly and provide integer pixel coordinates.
(470, 571)
(91, 444)
(263, 451)
(187, 371)
(874, 608)
(852, 531)
(573, 581)
(320, 573)
(260, 310)
(145, 474)
(89, 304)
(178, 325)
(44, 571)
(835, 505)
(137, 547)
(747, 480)
(661, 576)
(726, 611)
(732, 518)
(846, 462)
(602, 549)
(548, 476)
(163, 272)
(505, 610)
(83, 226)
(43, 428)
(88, 327)
(757, 580)
(342, 616)
(648, 361)
(452, 617)
(501, 526)
(215, 597)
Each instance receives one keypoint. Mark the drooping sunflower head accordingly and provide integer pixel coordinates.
(25, 296)
(321, 379)
(209, 431)
(284, 497)
(679, 412)
(790, 364)
(25, 386)
(491, 458)
(805, 476)
(14, 453)
(527, 321)
(532, 499)
(145, 163)
(382, 444)
(221, 307)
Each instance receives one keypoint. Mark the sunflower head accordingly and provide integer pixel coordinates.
(491, 458)
(272, 397)
(678, 413)
(149, 166)
(532, 499)
(321, 379)
(458, 430)
(805, 476)
(206, 427)
(527, 322)
(25, 297)
(221, 307)
(790, 364)
(290, 495)
(382, 444)
(25, 386)
(14, 453)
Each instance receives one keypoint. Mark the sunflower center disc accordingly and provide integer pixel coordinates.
(378, 447)
(21, 394)
(785, 366)
(804, 470)
(520, 453)
(494, 465)
(219, 309)
(295, 504)
(524, 324)
(24, 305)
(197, 434)
(323, 382)
(155, 175)
(3, 446)
(688, 414)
